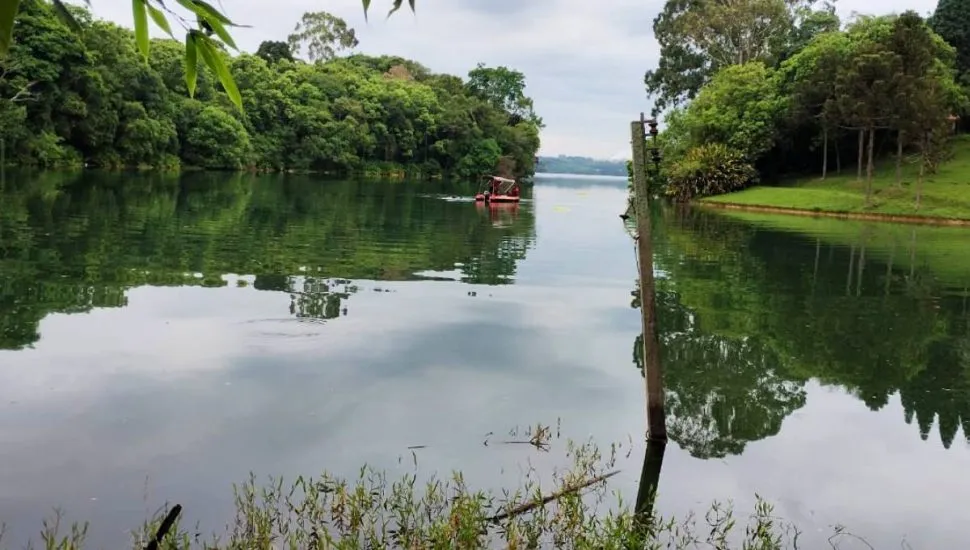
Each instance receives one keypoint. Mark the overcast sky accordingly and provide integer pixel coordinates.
(583, 60)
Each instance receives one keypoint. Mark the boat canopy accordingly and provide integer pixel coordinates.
(498, 185)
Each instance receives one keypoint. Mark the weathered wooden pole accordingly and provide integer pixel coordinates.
(652, 373)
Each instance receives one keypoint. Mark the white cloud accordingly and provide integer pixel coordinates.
(584, 61)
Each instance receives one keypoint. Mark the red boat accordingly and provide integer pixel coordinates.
(496, 189)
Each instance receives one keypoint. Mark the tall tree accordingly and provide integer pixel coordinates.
(912, 115)
(274, 51)
(865, 98)
(505, 89)
(806, 78)
(951, 20)
(699, 37)
(323, 34)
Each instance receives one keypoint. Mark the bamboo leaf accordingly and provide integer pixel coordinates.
(141, 26)
(206, 11)
(211, 57)
(8, 11)
(221, 32)
(159, 18)
(66, 17)
(397, 5)
(366, 7)
(191, 63)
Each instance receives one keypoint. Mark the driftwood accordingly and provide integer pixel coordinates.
(523, 508)
(163, 529)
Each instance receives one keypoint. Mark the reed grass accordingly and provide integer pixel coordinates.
(375, 511)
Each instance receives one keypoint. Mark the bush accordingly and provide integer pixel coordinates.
(710, 169)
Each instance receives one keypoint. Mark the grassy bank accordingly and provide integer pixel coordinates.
(573, 509)
(945, 194)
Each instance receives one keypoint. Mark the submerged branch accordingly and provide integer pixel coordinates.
(523, 508)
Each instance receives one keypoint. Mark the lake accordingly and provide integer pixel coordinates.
(162, 338)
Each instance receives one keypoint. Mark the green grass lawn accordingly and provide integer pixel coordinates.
(946, 194)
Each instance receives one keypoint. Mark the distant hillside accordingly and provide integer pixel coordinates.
(581, 165)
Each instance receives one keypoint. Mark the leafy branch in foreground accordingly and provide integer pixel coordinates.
(207, 37)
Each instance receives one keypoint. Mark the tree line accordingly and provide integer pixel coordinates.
(566, 164)
(87, 96)
(760, 89)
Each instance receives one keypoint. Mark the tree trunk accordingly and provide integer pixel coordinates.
(862, 148)
(899, 159)
(838, 157)
(869, 165)
(825, 152)
(922, 168)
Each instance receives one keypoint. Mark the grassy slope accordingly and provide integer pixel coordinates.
(946, 194)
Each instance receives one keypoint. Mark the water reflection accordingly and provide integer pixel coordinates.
(747, 316)
(70, 243)
(649, 485)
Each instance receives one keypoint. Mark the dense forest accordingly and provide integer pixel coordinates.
(803, 92)
(70, 98)
(564, 164)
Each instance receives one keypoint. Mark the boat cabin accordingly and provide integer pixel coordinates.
(498, 189)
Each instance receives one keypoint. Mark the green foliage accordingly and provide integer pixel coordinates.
(815, 95)
(504, 88)
(698, 38)
(97, 101)
(710, 169)
(740, 107)
(951, 21)
(274, 51)
(217, 140)
(210, 22)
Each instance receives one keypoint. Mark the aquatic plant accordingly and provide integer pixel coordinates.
(375, 511)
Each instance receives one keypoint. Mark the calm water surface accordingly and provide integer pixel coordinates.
(160, 339)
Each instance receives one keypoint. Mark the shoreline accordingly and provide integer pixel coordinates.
(863, 216)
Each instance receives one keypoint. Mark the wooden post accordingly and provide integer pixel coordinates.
(652, 374)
